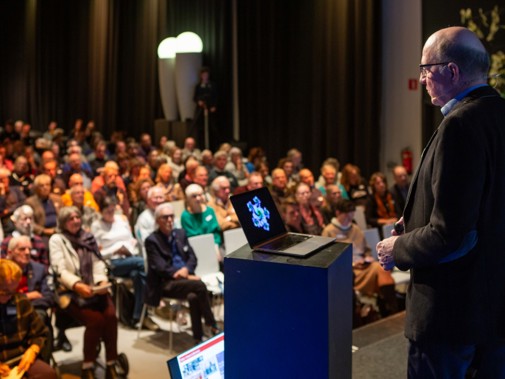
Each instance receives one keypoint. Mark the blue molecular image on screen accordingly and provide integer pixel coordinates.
(260, 215)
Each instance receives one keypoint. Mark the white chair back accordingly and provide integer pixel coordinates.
(372, 239)
(359, 217)
(387, 229)
(207, 267)
(234, 239)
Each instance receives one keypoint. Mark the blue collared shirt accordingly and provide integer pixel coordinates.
(447, 108)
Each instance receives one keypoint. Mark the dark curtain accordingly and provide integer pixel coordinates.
(309, 78)
(308, 70)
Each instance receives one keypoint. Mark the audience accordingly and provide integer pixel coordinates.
(23, 331)
(380, 207)
(78, 257)
(369, 277)
(171, 272)
(80, 269)
(119, 248)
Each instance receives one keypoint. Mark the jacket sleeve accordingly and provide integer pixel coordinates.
(156, 261)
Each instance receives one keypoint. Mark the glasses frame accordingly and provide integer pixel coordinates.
(423, 68)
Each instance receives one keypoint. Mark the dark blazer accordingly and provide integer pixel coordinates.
(399, 199)
(37, 281)
(159, 261)
(455, 227)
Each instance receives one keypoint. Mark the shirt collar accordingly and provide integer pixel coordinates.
(447, 108)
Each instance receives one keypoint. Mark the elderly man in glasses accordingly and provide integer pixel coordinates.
(454, 220)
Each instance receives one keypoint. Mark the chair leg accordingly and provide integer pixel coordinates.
(141, 321)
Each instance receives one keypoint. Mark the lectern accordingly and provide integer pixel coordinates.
(288, 317)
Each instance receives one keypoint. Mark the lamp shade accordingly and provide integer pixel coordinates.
(166, 74)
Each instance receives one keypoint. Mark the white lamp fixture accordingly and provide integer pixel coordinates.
(166, 68)
(188, 61)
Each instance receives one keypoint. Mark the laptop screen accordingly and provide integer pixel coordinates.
(205, 360)
(258, 215)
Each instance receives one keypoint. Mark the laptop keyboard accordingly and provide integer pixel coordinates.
(285, 242)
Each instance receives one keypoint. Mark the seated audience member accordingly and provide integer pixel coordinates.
(21, 176)
(58, 185)
(201, 177)
(138, 198)
(89, 200)
(33, 284)
(295, 156)
(312, 219)
(287, 166)
(264, 170)
(400, 189)
(98, 158)
(45, 205)
(186, 177)
(333, 196)
(4, 161)
(290, 211)
(143, 172)
(88, 214)
(23, 222)
(207, 159)
(171, 272)
(165, 181)
(237, 167)
(11, 198)
(316, 197)
(329, 176)
(190, 149)
(23, 331)
(146, 144)
(146, 223)
(99, 181)
(369, 277)
(198, 218)
(279, 188)
(220, 160)
(154, 161)
(110, 189)
(80, 269)
(176, 162)
(221, 204)
(255, 157)
(353, 186)
(9, 133)
(380, 208)
(254, 181)
(119, 248)
(76, 165)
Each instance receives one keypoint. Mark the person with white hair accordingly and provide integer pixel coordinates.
(220, 202)
(146, 223)
(23, 223)
(171, 273)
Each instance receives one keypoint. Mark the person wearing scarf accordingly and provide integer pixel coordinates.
(80, 268)
(380, 208)
(369, 277)
(312, 219)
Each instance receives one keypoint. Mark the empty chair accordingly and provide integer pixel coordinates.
(234, 239)
(207, 267)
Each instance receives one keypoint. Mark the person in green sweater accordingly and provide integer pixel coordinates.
(198, 218)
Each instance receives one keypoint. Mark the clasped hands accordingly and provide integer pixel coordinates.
(385, 250)
(26, 361)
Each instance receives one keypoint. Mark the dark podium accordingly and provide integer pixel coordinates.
(288, 317)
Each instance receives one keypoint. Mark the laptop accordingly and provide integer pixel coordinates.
(205, 360)
(265, 230)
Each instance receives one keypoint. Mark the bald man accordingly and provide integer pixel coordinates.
(454, 220)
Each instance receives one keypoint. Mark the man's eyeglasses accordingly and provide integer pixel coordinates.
(423, 68)
(166, 217)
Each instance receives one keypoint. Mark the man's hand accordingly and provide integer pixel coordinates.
(4, 369)
(182, 273)
(385, 253)
(83, 289)
(28, 358)
(33, 295)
